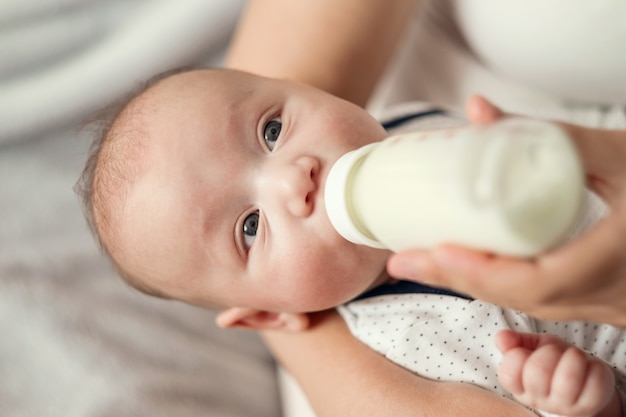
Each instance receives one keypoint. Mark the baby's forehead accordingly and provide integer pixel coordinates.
(220, 82)
(126, 138)
(218, 87)
(179, 101)
(158, 122)
(130, 135)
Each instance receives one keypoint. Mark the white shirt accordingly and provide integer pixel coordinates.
(446, 338)
(574, 49)
(558, 59)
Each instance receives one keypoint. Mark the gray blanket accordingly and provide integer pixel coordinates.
(75, 341)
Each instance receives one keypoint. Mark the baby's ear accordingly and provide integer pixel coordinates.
(249, 318)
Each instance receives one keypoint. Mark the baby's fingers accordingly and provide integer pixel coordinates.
(508, 339)
(556, 378)
(570, 376)
(538, 373)
(528, 373)
(511, 370)
(598, 388)
(528, 361)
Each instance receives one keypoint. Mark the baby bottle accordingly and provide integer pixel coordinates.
(514, 187)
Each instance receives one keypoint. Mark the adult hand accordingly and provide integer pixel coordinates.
(584, 279)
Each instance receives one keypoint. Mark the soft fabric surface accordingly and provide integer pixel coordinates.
(62, 59)
(75, 341)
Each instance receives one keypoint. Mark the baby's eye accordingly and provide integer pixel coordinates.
(250, 226)
(271, 132)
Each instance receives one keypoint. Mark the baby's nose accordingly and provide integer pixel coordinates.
(298, 185)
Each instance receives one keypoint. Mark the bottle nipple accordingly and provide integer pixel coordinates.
(338, 199)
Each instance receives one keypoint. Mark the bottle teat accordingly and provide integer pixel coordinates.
(338, 200)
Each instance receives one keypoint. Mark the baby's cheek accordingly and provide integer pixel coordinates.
(320, 288)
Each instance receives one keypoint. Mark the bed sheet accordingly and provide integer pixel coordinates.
(75, 341)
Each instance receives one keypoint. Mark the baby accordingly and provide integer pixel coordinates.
(207, 187)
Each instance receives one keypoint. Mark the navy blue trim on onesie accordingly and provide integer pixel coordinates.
(390, 124)
(408, 287)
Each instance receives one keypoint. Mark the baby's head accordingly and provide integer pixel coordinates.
(208, 188)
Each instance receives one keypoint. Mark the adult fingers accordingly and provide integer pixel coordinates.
(480, 111)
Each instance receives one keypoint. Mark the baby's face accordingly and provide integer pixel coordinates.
(230, 207)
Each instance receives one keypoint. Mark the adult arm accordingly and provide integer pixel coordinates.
(341, 46)
(343, 377)
(582, 280)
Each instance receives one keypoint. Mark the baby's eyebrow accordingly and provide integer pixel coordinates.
(240, 98)
(242, 115)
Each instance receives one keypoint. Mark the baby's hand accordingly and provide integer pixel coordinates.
(544, 372)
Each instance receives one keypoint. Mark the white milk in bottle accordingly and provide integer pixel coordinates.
(514, 187)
